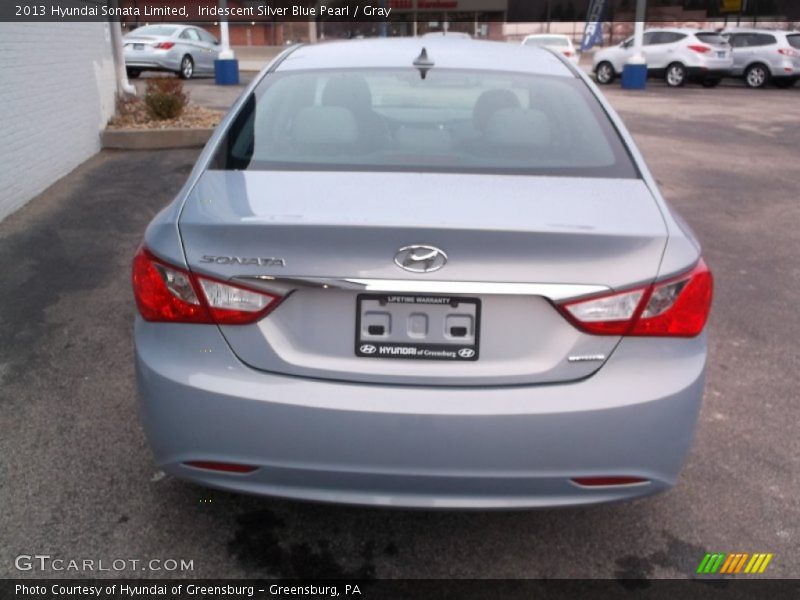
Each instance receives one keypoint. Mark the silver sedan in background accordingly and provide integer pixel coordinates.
(181, 49)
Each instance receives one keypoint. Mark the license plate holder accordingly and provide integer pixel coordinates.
(417, 327)
(138, 46)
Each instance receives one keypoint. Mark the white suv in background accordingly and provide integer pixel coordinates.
(761, 56)
(677, 55)
(554, 41)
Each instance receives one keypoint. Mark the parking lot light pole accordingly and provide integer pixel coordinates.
(124, 87)
(225, 52)
(634, 73)
(226, 67)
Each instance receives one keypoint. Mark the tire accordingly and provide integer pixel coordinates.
(604, 73)
(756, 76)
(784, 82)
(675, 75)
(133, 73)
(710, 83)
(187, 68)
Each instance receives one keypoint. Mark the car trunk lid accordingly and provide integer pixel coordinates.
(513, 244)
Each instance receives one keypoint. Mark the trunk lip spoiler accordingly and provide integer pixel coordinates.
(552, 291)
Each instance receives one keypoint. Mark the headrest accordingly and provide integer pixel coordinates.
(349, 91)
(489, 102)
(324, 125)
(518, 127)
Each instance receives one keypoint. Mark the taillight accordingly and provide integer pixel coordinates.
(677, 307)
(167, 293)
(789, 52)
(164, 45)
(700, 48)
(567, 52)
(234, 305)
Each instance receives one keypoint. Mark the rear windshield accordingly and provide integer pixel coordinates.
(450, 121)
(547, 41)
(794, 40)
(154, 30)
(712, 38)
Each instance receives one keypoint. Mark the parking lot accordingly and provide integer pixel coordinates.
(77, 479)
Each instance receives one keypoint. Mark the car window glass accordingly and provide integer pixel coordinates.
(207, 37)
(763, 39)
(743, 40)
(649, 38)
(669, 37)
(164, 30)
(794, 40)
(547, 41)
(190, 34)
(711, 38)
(451, 121)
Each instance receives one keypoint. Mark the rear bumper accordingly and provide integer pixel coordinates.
(151, 61)
(414, 446)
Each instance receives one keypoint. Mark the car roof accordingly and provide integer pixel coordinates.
(454, 34)
(754, 30)
(678, 30)
(178, 25)
(535, 35)
(446, 53)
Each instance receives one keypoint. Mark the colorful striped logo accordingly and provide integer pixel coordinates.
(734, 563)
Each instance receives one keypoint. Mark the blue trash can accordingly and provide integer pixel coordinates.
(226, 71)
(634, 76)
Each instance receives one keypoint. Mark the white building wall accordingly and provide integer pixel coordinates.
(57, 92)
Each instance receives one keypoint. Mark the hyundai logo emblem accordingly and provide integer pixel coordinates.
(368, 349)
(420, 258)
(466, 353)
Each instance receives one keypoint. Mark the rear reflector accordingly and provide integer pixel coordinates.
(607, 481)
(168, 293)
(220, 466)
(677, 307)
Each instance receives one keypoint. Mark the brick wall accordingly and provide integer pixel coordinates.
(56, 94)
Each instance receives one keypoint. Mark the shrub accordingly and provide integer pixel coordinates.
(165, 98)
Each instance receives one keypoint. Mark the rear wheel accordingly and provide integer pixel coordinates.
(785, 82)
(187, 67)
(711, 83)
(675, 75)
(133, 73)
(756, 76)
(604, 73)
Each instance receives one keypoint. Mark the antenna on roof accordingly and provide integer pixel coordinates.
(423, 63)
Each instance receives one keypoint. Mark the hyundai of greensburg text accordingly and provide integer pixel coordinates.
(422, 273)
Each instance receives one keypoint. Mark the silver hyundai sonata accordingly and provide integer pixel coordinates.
(422, 273)
(182, 49)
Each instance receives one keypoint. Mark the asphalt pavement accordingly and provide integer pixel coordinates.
(77, 479)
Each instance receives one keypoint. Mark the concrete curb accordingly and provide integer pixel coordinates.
(154, 139)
